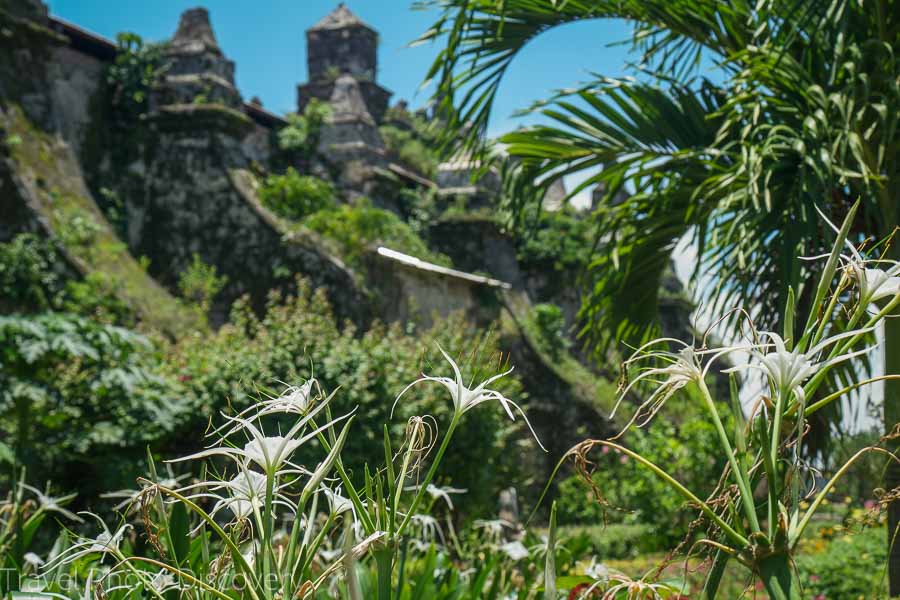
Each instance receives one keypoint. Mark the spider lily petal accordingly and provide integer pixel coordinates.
(465, 399)
(295, 400)
(53, 504)
(788, 370)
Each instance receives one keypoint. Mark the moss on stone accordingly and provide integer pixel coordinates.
(53, 181)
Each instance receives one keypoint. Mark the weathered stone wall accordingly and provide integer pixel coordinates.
(479, 244)
(74, 79)
(186, 201)
(406, 293)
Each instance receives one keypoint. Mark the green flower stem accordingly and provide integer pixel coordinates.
(839, 349)
(236, 555)
(824, 321)
(743, 486)
(739, 540)
(796, 534)
(431, 473)
(779, 577)
(384, 561)
(268, 525)
(352, 494)
(177, 572)
(771, 478)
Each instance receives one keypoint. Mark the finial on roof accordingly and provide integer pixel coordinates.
(339, 18)
(195, 31)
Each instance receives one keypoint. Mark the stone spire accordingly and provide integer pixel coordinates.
(195, 34)
(350, 131)
(341, 17)
(196, 70)
(342, 44)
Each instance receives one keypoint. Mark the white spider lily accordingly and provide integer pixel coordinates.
(294, 400)
(465, 399)
(677, 370)
(429, 530)
(337, 504)
(271, 453)
(105, 543)
(493, 528)
(48, 503)
(876, 284)
(129, 497)
(439, 493)
(682, 368)
(515, 550)
(248, 491)
(33, 559)
(788, 370)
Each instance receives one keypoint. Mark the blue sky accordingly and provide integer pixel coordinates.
(266, 40)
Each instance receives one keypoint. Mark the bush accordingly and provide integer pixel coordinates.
(32, 281)
(608, 542)
(849, 566)
(298, 338)
(632, 495)
(301, 134)
(132, 75)
(296, 196)
(355, 228)
(557, 240)
(28, 276)
(81, 400)
(549, 323)
(200, 283)
(409, 150)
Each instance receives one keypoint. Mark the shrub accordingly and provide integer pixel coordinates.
(301, 134)
(200, 283)
(558, 239)
(356, 227)
(298, 338)
(296, 196)
(633, 495)
(614, 541)
(409, 150)
(28, 277)
(549, 324)
(32, 281)
(848, 565)
(80, 400)
(132, 74)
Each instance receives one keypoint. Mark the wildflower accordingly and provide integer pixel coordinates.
(271, 453)
(33, 559)
(429, 530)
(294, 400)
(48, 503)
(788, 370)
(105, 543)
(596, 570)
(248, 491)
(129, 497)
(465, 399)
(678, 369)
(337, 504)
(163, 581)
(493, 528)
(874, 284)
(515, 550)
(439, 493)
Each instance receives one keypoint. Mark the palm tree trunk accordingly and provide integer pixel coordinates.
(891, 418)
